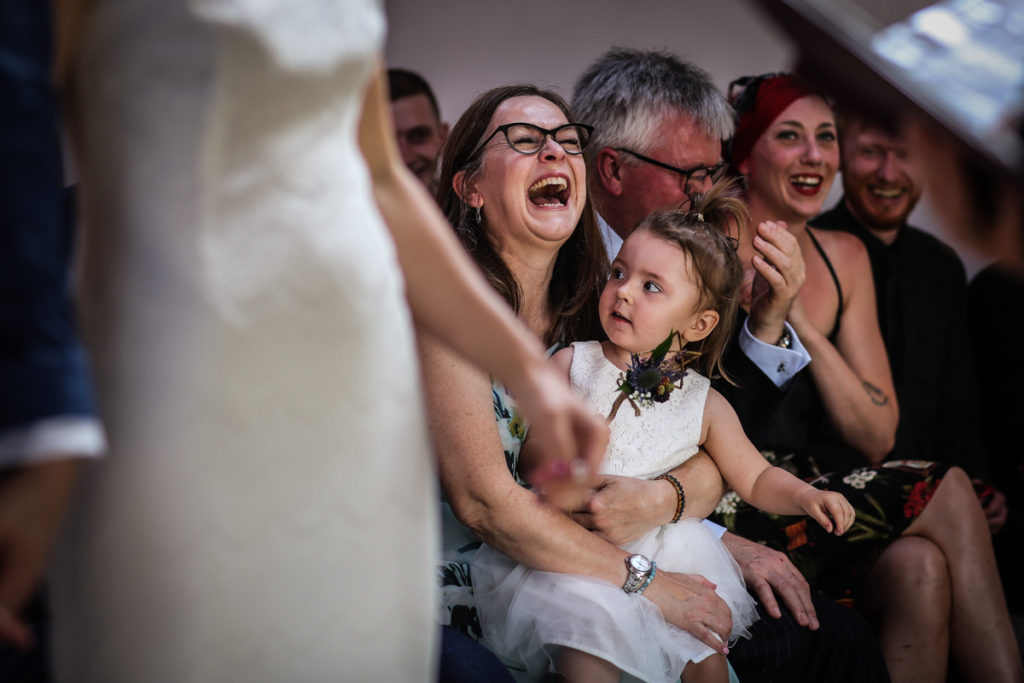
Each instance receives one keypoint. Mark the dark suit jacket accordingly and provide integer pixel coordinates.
(754, 395)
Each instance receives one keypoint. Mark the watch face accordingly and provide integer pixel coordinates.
(639, 563)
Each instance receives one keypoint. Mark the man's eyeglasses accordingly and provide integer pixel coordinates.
(688, 176)
(527, 138)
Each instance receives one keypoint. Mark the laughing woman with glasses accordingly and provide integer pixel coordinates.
(513, 185)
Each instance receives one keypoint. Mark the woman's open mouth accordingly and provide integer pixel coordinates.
(552, 191)
(806, 184)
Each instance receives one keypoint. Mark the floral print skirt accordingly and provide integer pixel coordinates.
(887, 497)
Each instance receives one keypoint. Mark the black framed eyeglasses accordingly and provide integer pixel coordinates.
(696, 175)
(527, 138)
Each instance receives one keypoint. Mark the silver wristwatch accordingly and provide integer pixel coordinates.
(639, 568)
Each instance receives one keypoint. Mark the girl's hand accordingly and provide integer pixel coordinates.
(826, 506)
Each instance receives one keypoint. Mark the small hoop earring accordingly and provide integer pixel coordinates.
(477, 214)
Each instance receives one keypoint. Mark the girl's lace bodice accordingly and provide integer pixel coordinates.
(662, 437)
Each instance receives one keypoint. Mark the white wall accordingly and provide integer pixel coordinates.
(463, 47)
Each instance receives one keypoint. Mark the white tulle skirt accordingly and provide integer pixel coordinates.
(527, 616)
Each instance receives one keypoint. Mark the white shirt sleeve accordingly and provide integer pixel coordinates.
(716, 529)
(779, 364)
(54, 438)
(612, 241)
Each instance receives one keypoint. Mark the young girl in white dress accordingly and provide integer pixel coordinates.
(676, 274)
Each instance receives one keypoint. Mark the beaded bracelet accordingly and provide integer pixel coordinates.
(650, 577)
(680, 496)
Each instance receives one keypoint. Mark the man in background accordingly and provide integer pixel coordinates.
(659, 126)
(418, 126)
(921, 292)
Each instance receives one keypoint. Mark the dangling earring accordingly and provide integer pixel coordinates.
(686, 350)
(477, 214)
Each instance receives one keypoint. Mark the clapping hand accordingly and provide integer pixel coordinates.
(779, 274)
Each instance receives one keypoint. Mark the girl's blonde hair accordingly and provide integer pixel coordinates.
(702, 232)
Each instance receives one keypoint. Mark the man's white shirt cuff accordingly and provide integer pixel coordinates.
(779, 364)
(716, 529)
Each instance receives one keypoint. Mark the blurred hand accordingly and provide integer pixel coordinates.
(562, 483)
(32, 502)
(569, 440)
(993, 503)
(768, 572)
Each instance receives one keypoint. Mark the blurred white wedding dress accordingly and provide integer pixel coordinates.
(267, 510)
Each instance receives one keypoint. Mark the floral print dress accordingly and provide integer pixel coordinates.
(458, 604)
(802, 439)
(887, 497)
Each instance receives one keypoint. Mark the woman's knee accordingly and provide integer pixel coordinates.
(911, 578)
(954, 500)
(958, 482)
(916, 562)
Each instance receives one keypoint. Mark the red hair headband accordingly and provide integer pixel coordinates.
(771, 97)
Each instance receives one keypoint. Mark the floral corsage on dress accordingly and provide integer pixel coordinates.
(651, 379)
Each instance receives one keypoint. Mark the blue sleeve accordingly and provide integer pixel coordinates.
(43, 370)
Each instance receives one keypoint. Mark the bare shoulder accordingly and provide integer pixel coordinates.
(562, 359)
(848, 256)
(717, 411)
(842, 247)
(717, 405)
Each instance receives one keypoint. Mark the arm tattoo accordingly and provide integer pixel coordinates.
(876, 395)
